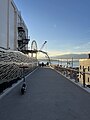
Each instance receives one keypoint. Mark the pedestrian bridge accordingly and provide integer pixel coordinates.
(49, 96)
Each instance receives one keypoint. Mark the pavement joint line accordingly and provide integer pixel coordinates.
(6, 91)
(73, 81)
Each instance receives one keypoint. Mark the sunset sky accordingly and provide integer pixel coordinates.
(64, 24)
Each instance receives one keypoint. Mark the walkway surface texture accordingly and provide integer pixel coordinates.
(49, 96)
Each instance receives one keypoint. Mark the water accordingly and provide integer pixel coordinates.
(63, 63)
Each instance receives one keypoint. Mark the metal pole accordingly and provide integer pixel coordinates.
(83, 77)
(72, 62)
(61, 61)
(23, 74)
(58, 62)
(67, 62)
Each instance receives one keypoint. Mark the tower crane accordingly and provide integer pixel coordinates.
(45, 52)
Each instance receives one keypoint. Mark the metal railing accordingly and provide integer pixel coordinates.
(72, 73)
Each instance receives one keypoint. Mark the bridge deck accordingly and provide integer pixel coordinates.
(49, 96)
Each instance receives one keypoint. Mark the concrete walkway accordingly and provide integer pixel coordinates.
(49, 96)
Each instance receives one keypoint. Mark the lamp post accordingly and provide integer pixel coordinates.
(61, 61)
(58, 62)
(72, 62)
(67, 62)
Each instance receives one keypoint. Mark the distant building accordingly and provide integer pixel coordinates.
(13, 31)
(84, 65)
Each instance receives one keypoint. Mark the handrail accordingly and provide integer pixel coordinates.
(74, 72)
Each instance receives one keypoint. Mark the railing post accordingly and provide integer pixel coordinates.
(66, 73)
(83, 77)
(71, 74)
(76, 77)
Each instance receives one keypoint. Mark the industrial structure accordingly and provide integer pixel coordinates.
(15, 57)
(13, 41)
(13, 30)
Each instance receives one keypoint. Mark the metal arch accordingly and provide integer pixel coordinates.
(34, 48)
(33, 45)
(46, 55)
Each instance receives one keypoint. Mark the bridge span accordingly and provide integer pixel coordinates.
(49, 96)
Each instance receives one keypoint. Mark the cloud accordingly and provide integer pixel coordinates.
(77, 47)
(52, 53)
(56, 53)
(83, 47)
